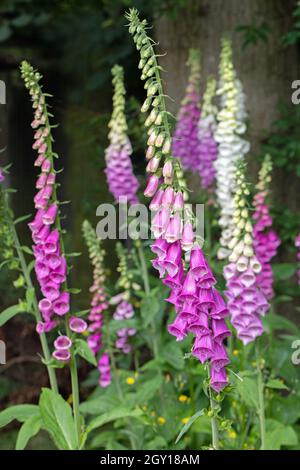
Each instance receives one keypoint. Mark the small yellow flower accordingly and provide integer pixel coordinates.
(185, 420)
(183, 398)
(70, 399)
(144, 408)
(235, 352)
(232, 434)
(130, 380)
(161, 420)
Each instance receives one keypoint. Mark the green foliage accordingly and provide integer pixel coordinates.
(57, 420)
(253, 33)
(292, 37)
(19, 412)
(283, 143)
(82, 348)
(28, 430)
(9, 313)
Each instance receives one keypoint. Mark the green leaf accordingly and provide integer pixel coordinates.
(57, 419)
(81, 313)
(279, 435)
(5, 32)
(73, 255)
(83, 349)
(19, 412)
(112, 415)
(278, 322)
(173, 355)
(30, 297)
(27, 250)
(9, 313)
(187, 426)
(147, 390)
(159, 442)
(150, 307)
(22, 20)
(283, 271)
(99, 405)
(22, 219)
(247, 388)
(277, 384)
(74, 290)
(28, 430)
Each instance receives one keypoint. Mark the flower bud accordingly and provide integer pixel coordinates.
(167, 146)
(159, 140)
(151, 186)
(168, 171)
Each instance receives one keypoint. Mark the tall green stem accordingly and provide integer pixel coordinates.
(144, 273)
(26, 274)
(261, 400)
(213, 420)
(214, 424)
(73, 365)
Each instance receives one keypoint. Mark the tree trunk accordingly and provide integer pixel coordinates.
(266, 69)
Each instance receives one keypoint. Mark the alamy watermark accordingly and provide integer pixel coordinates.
(2, 352)
(296, 94)
(296, 354)
(122, 221)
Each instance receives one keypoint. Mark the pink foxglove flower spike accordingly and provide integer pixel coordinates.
(266, 240)
(231, 146)
(99, 304)
(119, 172)
(199, 306)
(50, 262)
(246, 301)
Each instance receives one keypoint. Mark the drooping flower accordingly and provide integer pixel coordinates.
(231, 146)
(185, 140)
(297, 245)
(206, 127)
(99, 303)
(50, 263)
(179, 258)
(246, 301)
(119, 172)
(266, 240)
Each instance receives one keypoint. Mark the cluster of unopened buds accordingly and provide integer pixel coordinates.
(50, 263)
(246, 302)
(266, 240)
(119, 172)
(200, 308)
(231, 147)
